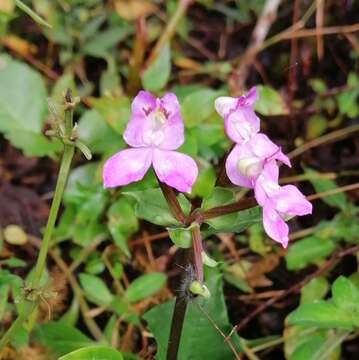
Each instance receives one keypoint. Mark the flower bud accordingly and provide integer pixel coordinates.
(197, 288)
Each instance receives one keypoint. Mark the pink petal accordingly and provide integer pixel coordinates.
(275, 226)
(126, 167)
(142, 105)
(265, 148)
(144, 129)
(251, 96)
(290, 201)
(241, 124)
(239, 151)
(173, 128)
(175, 169)
(266, 184)
(225, 104)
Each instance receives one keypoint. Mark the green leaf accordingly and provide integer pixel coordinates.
(322, 314)
(97, 134)
(235, 222)
(94, 353)
(22, 116)
(95, 289)
(122, 222)
(320, 185)
(316, 289)
(199, 339)
(270, 102)
(346, 296)
(157, 74)
(115, 110)
(198, 106)
(302, 343)
(308, 250)
(181, 237)
(347, 103)
(205, 182)
(71, 316)
(102, 43)
(152, 206)
(145, 286)
(318, 85)
(60, 337)
(316, 126)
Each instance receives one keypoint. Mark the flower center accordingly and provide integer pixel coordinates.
(250, 166)
(154, 133)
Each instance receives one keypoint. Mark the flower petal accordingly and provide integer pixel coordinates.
(241, 124)
(126, 167)
(142, 105)
(290, 201)
(265, 148)
(251, 96)
(239, 152)
(173, 129)
(175, 169)
(225, 104)
(275, 227)
(266, 184)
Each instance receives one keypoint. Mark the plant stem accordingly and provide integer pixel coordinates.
(45, 243)
(178, 316)
(172, 202)
(56, 202)
(197, 252)
(60, 186)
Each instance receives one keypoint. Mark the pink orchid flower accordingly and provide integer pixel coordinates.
(279, 203)
(153, 132)
(246, 161)
(240, 120)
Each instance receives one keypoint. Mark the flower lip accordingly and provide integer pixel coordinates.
(250, 166)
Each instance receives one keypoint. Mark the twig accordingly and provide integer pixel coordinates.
(170, 29)
(91, 325)
(319, 20)
(295, 288)
(332, 136)
(265, 21)
(333, 191)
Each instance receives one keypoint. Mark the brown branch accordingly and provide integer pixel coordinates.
(295, 288)
(172, 202)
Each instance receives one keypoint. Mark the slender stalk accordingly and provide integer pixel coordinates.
(197, 252)
(170, 29)
(172, 202)
(227, 209)
(30, 306)
(179, 313)
(56, 202)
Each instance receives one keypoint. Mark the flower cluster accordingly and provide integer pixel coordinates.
(156, 129)
(153, 132)
(253, 164)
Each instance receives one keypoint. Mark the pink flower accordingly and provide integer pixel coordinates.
(153, 132)
(240, 120)
(279, 203)
(246, 161)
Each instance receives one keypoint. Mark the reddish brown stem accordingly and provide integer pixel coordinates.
(227, 209)
(197, 252)
(173, 203)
